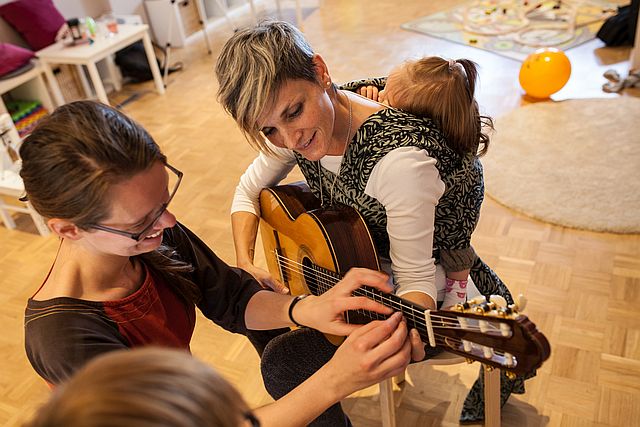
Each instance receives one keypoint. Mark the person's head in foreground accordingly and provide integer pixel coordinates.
(144, 388)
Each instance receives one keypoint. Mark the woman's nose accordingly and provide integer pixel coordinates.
(166, 220)
(292, 138)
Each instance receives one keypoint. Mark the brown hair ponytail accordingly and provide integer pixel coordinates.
(444, 90)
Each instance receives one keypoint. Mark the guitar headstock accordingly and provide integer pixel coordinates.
(493, 333)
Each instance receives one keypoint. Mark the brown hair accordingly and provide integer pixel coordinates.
(76, 155)
(444, 90)
(143, 387)
(253, 65)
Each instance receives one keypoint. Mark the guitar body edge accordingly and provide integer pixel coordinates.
(297, 231)
(333, 238)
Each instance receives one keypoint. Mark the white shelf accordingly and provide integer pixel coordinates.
(29, 86)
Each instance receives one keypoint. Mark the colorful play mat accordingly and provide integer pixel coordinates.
(517, 28)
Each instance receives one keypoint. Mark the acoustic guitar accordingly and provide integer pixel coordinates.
(310, 248)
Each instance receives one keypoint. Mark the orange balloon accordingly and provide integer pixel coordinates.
(545, 72)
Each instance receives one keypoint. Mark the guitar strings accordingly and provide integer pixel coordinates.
(418, 321)
(441, 340)
(448, 342)
(392, 303)
(330, 280)
(375, 296)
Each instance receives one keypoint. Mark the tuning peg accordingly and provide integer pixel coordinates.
(488, 368)
(522, 302)
(498, 300)
(477, 300)
(469, 361)
(510, 375)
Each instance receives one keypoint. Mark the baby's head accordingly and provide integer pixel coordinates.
(442, 89)
(416, 85)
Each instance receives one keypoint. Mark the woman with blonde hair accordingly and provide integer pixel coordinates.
(419, 196)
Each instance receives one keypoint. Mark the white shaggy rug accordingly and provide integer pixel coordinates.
(574, 163)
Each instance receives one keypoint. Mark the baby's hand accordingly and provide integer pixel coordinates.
(369, 91)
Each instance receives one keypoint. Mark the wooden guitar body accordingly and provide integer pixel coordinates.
(294, 226)
(310, 248)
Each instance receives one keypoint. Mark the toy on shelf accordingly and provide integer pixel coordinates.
(26, 115)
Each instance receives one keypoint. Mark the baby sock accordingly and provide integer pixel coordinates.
(455, 292)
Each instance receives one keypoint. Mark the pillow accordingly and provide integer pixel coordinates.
(38, 21)
(13, 57)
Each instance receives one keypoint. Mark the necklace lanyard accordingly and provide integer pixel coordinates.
(344, 152)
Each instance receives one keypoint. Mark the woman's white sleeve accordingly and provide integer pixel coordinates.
(407, 182)
(265, 171)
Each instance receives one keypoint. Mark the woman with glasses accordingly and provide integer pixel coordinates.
(127, 274)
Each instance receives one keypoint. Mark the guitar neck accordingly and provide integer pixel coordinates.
(413, 314)
(506, 342)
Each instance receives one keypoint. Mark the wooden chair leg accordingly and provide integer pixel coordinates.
(6, 218)
(387, 407)
(492, 397)
(41, 226)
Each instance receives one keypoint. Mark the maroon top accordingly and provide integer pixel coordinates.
(61, 334)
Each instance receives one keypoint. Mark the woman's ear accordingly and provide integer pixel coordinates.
(65, 229)
(322, 72)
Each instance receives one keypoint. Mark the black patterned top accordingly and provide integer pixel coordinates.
(458, 209)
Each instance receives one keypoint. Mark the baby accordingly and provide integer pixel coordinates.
(443, 90)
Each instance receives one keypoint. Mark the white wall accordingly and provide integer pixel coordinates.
(78, 9)
(129, 7)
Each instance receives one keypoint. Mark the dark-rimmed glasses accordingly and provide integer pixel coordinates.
(145, 231)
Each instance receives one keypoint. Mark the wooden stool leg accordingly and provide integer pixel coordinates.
(41, 226)
(492, 397)
(6, 218)
(387, 406)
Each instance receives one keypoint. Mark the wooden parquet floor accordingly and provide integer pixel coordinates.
(583, 287)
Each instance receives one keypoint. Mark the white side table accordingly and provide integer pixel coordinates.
(30, 85)
(89, 54)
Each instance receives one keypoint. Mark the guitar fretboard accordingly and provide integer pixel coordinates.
(319, 280)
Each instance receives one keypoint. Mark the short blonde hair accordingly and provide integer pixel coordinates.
(443, 89)
(252, 67)
(143, 387)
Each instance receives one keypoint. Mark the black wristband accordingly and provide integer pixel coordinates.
(294, 301)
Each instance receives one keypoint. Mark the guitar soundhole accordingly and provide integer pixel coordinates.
(311, 276)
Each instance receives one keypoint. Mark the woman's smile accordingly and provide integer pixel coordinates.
(307, 144)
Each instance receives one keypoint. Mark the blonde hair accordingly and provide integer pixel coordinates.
(143, 387)
(253, 65)
(444, 91)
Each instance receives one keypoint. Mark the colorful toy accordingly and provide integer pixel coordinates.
(545, 72)
(26, 115)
